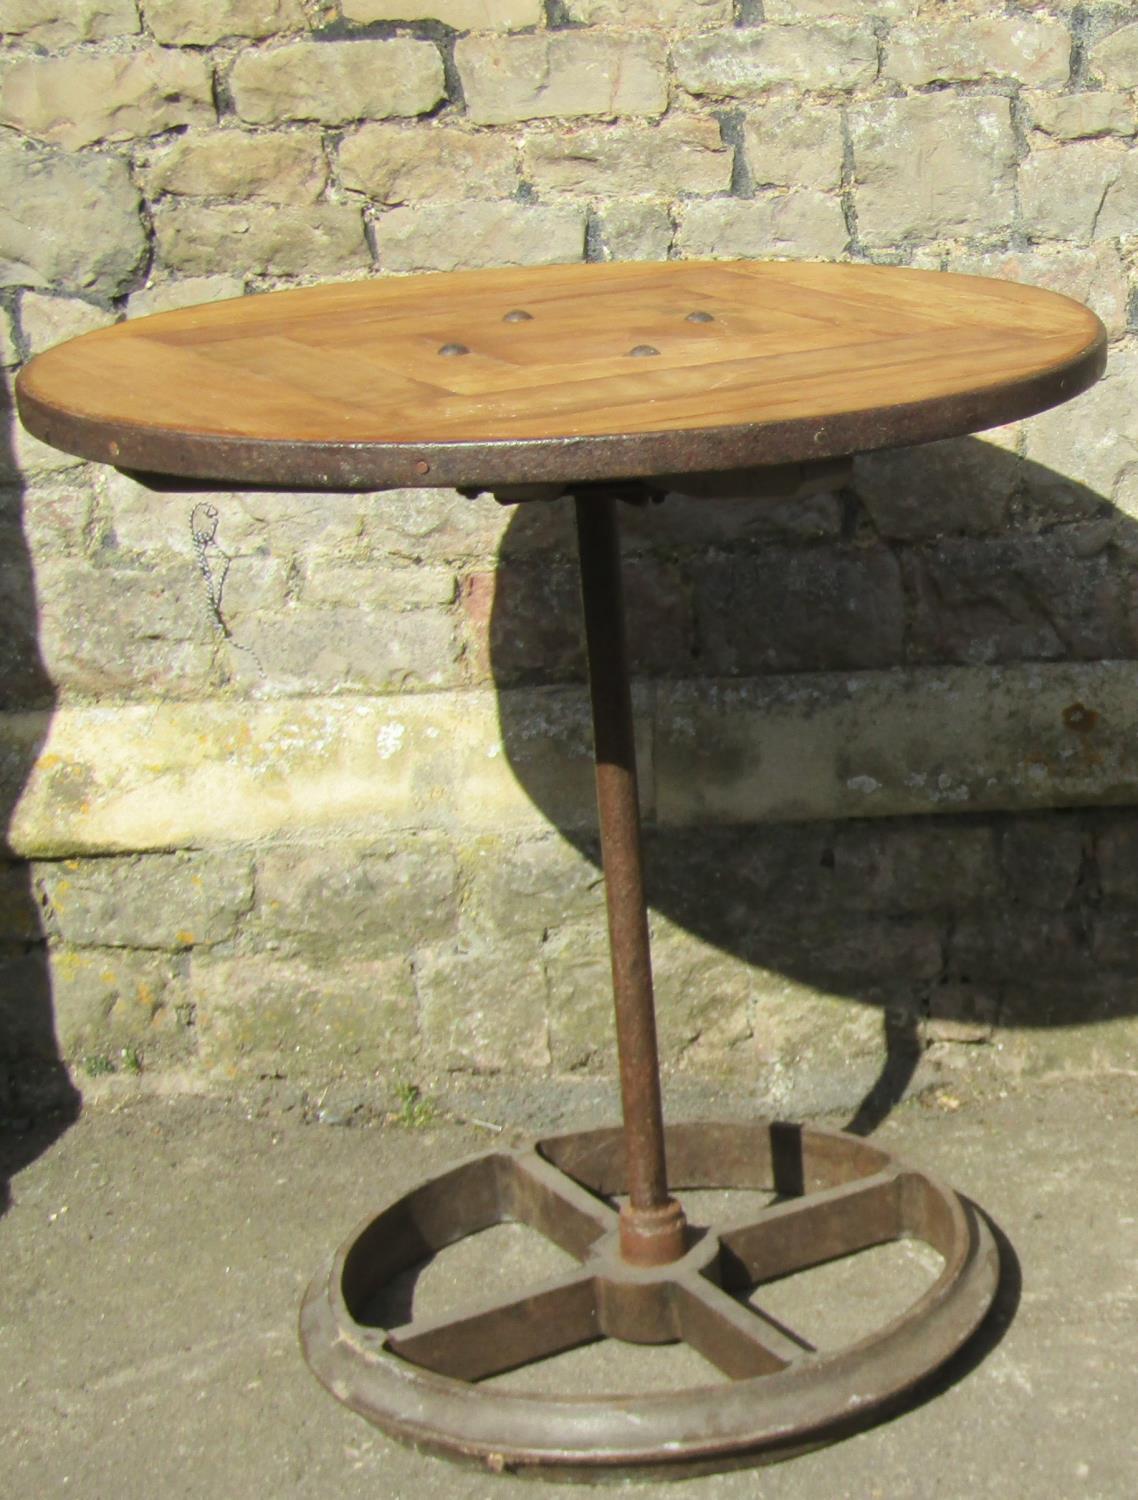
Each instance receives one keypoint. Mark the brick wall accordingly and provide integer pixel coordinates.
(299, 787)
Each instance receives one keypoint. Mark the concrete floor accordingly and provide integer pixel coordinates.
(154, 1257)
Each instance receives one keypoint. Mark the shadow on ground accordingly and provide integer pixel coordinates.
(1029, 567)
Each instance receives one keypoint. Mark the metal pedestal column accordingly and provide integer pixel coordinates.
(652, 1226)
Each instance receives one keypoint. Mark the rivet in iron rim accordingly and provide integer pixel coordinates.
(454, 349)
(422, 467)
(699, 317)
(518, 315)
(642, 351)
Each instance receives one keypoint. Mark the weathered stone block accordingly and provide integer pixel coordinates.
(1062, 189)
(77, 99)
(546, 743)
(797, 223)
(530, 886)
(136, 527)
(955, 740)
(809, 611)
(70, 223)
(1116, 849)
(483, 1008)
(54, 515)
(337, 650)
(706, 1006)
(523, 620)
(1042, 859)
(791, 144)
(49, 320)
(842, 10)
(338, 82)
(636, 231)
(740, 63)
(197, 23)
(933, 166)
(316, 528)
(351, 899)
(119, 777)
(233, 164)
(520, 623)
(58, 23)
(686, 15)
(261, 239)
(9, 353)
(187, 291)
(437, 237)
(959, 485)
(931, 865)
(721, 882)
(1083, 449)
(846, 953)
(1014, 600)
(434, 525)
(681, 155)
(579, 979)
(1019, 946)
(395, 165)
(562, 74)
(154, 901)
(107, 999)
(1120, 204)
(104, 631)
(377, 587)
(1115, 58)
(1033, 52)
(1070, 117)
(463, 15)
(279, 1016)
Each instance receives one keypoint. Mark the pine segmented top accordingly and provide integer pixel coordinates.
(578, 372)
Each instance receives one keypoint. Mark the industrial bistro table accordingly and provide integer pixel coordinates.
(604, 383)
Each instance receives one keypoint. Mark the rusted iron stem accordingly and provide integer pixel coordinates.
(652, 1229)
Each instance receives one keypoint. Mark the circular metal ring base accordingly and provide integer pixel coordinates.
(835, 1195)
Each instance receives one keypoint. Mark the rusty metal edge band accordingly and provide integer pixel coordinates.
(232, 462)
(763, 1418)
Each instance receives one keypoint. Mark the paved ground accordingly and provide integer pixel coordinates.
(154, 1256)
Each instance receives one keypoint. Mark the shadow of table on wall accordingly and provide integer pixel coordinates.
(955, 928)
(37, 1098)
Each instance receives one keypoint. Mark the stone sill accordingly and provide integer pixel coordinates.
(115, 778)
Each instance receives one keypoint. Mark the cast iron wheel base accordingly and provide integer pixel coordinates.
(836, 1195)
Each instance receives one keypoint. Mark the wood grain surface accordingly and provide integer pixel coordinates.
(560, 372)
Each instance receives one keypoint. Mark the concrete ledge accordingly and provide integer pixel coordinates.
(122, 777)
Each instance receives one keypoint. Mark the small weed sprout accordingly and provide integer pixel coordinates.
(415, 1110)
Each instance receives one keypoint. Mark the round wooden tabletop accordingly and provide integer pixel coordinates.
(560, 373)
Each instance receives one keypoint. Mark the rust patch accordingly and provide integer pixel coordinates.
(1080, 718)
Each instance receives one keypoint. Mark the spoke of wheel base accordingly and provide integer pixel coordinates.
(804, 1232)
(740, 1341)
(550, 1201)
(504, 1334)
